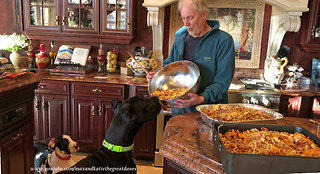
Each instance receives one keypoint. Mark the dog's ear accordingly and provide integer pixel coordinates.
(52, 143)
(115, 103)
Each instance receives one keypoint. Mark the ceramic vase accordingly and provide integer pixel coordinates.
(15, 58)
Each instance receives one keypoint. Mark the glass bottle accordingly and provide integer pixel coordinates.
(101, 59)
(112, 61)
(52, 55)
(31, 55)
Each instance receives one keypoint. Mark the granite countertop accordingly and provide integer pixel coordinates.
(30, 77)
(236, 86)
(188, 142)
(9, 83)
(98, 77)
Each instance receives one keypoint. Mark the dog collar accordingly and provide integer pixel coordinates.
(62, 158)
(116, 148)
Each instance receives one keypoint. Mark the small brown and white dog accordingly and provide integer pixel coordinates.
(57, 156)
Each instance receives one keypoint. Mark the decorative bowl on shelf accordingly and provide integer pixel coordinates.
(139, 65)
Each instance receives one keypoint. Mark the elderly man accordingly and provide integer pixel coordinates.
(211, 49)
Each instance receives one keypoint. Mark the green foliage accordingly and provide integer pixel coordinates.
(13, 42)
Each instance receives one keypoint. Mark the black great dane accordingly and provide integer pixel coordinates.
(114, 156)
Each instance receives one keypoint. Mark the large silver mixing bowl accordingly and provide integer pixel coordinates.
(178, 74)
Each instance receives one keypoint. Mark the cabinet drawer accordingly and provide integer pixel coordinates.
(53, 87)
(98, 89)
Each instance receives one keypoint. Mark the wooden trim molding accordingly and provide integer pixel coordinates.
(284, 18)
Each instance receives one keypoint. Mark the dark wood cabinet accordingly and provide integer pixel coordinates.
(309, 34)
(16, 122)
(300, 106)
(144, 142)
(17, 151)
(82, 110)
(316, 107)
(51, 108)
(91, 112)
(95, 20)
(17, 16)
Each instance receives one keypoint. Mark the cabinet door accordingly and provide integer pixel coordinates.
(51, 109)
(103, 20)
(41, 15)
(17, 16)
(116, 17)
(106, 117)
(17, 152)
(316, 107)
(55, 115)
(310, 28)
(144, 142)
(84, 122)
(38, 122)
(296, 106)
(80, 16)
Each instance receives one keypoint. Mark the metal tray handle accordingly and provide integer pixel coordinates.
(318, 125)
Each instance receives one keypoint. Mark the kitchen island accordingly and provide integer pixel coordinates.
(188, 148)
(16, 123)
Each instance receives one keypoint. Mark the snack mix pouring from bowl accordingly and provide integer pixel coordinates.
(211, 49)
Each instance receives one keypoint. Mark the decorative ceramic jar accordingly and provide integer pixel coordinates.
(15, 58)
(42, 58)
(141, 64)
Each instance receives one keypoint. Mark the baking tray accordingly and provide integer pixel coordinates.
(209, 121)
(236, 163)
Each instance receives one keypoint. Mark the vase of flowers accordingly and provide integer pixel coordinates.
(13, 43)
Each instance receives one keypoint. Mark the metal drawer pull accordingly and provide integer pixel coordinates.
(57, 20)
(44, 106)
(100, 111)
(41, 86)
(37, 106)
(92, 110)
(17, 137)
(64, 21)
(96, 90)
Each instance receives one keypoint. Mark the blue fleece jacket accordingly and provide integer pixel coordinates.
(215, 58)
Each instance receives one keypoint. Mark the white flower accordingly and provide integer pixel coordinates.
(13, 42)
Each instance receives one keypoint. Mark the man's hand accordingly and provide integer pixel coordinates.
(193, 99)
(150, 76)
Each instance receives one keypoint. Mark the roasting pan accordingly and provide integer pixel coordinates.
(209, 121)
(236, 163)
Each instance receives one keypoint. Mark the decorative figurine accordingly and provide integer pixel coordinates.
(42, 59)
(101, 59)
(31, 55)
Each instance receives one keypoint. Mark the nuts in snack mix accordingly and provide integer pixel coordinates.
(235, 113)
(268, 142)
(169, 93)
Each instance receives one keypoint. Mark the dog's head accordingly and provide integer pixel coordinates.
(137, 108)
(129, 117)
(63, 145)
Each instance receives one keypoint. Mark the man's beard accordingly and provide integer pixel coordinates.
(194, 32)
